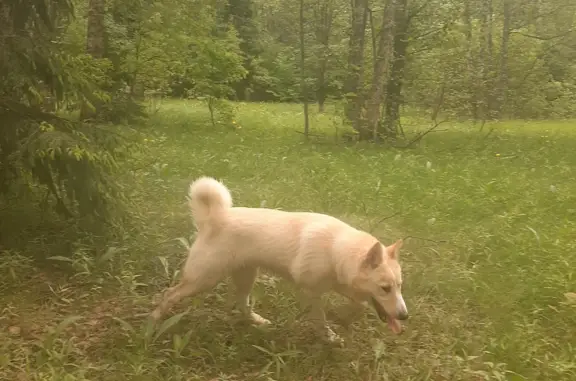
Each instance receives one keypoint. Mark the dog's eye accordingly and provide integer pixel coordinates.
(386, 288)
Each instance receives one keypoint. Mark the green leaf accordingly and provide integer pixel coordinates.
(65, 323)
(127, 326)
(169, 323)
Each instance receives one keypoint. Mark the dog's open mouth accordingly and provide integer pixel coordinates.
(393, 324)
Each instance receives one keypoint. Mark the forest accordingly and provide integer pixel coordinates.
(449, 122)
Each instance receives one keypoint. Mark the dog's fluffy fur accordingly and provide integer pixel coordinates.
(319, 253)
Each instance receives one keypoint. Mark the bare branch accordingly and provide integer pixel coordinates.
(545, 38)
(373, 226)
(432, 31)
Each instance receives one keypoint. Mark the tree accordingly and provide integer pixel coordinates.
(303, 71)
(354, 81)
(485, 93)
(396, 78)
(502, 83)
(324, 15)
(95, 44)
(383, 58)
(240, 13)
(73, 162)
(96, 34)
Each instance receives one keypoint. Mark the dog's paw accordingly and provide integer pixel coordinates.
(155, 316)
(333, 338)
(258, 320)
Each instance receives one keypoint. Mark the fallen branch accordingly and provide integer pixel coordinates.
(544, 38)
(303, 133)
(489, 132)
(373, 226)
(401, 129)
(431, 240)
(444, 130)
(422, 134)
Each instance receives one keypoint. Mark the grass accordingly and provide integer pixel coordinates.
(488, 271)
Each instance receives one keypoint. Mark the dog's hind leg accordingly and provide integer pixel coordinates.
(200, 275)
(243, 279)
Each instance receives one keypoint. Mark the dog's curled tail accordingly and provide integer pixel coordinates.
(209, 200)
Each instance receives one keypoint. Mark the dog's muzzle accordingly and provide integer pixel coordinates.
(393, 322)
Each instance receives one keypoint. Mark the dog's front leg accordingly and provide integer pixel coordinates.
(348, 313)
(313, 304)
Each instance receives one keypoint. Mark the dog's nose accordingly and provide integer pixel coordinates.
(402, 315)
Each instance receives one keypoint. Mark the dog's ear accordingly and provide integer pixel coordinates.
(374, 257)
(394, 250)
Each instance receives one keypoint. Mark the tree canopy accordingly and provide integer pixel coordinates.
(68, 67)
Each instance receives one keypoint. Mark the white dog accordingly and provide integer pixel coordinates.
(319, 253)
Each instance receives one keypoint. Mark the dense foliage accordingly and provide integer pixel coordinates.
(39, 75)
(471, 59)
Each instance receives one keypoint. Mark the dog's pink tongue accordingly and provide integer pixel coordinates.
(394, 325)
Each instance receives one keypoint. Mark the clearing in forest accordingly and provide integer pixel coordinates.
(489, 270)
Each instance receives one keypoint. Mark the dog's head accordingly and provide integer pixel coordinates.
(380, 281)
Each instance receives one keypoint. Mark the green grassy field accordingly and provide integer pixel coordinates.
(488, 271)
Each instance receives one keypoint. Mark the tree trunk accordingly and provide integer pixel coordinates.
(353, 85)
(96, 33)
(132, 80)
(502, 86)
(486, 93)
(303, 86)
(321, 93)
(381, 73)
(324, 15)
(471, 74)
(241, 14)
(95, 44)
(396, 79)
(372, 36)
(6, 32)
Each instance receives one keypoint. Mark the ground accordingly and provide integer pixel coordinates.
(489, 266)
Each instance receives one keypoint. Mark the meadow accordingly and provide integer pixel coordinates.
(489, 260)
